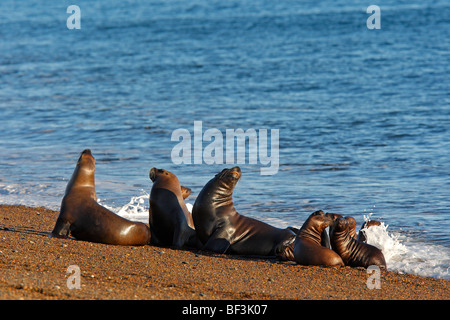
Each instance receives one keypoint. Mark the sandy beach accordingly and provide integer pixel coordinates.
(34, 266)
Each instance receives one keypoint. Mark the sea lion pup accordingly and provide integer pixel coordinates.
(223, 230)
(85, 219)
(170, 221)
(353, 252)
(366, 225)
(307, 247)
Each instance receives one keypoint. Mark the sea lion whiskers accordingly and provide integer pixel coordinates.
(285, 250)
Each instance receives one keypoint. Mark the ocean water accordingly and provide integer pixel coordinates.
(363, 115)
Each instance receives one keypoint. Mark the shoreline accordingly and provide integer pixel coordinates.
(33, 266)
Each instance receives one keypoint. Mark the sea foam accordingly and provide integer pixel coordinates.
(404, 254)
(136, 209)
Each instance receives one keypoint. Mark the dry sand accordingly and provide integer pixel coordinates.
(34, 265)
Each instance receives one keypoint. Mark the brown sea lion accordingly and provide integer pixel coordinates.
(307, 247)
(366, 225)
(85, 219)
(353, 252)
(170, 221)
(223, 230)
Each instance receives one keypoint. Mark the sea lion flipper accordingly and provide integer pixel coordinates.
(325, 240)
(181, 235)
(194, 241)
(154, 239)
(61, 229)
(217, 245)
(186, 238)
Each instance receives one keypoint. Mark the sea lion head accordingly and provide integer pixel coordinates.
(166, 179)
(370, 223)
(227, 179)
(86, 161)
(322, 220)
(342, 225)
(163, 179)
(366, 225)
(230, 175)
(315, 224)
(156, 174)
(84, 174)
(285, 250)
(333, 216)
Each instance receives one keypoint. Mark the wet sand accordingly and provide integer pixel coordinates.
(34, 265)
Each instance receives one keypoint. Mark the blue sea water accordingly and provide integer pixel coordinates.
(363, 115)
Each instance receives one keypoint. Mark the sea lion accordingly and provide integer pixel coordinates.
(307, 247)
(222, 229)
(170, 221)
(366, 225)
(353, 252)
(85, 219)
